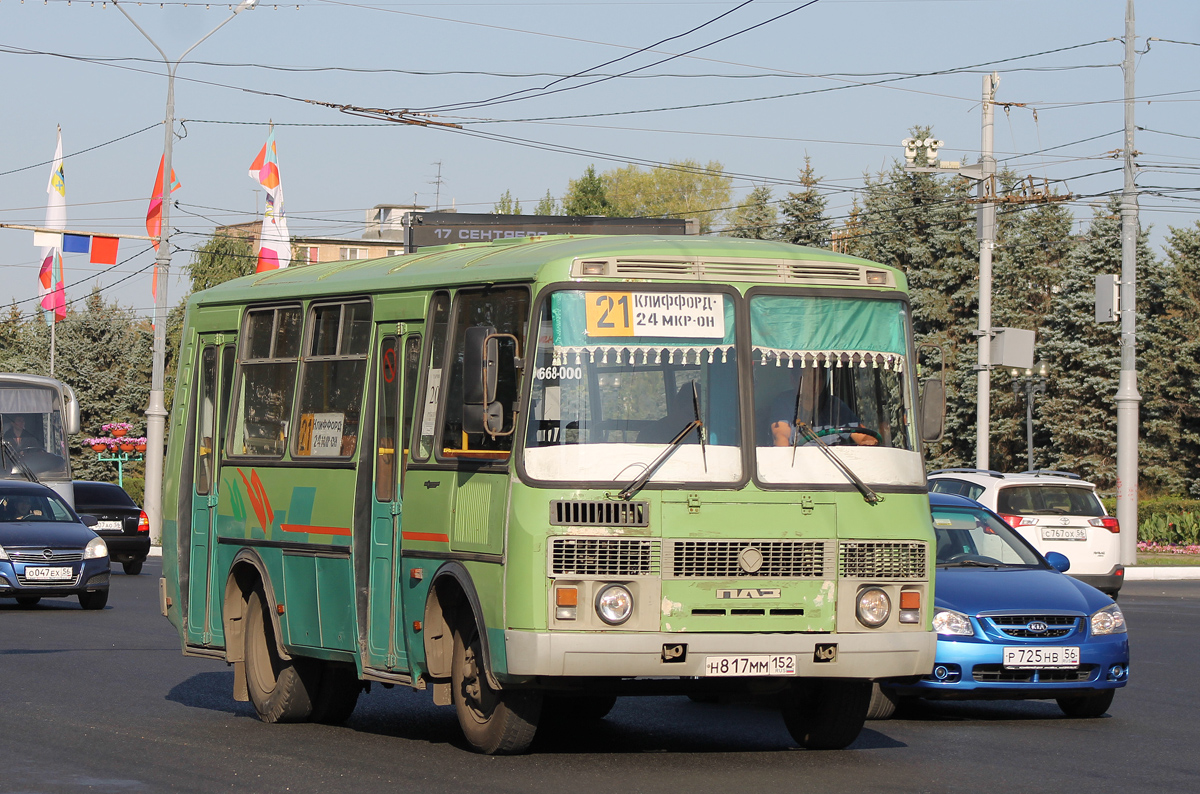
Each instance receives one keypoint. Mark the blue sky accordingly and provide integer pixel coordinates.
(72, 64)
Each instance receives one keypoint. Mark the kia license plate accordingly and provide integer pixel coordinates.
(717, 666)
(1064, 533)
(108, 525)
(1015, 657)
(45, 574)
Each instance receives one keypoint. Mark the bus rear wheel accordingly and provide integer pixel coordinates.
(338, 694)
(280, 690)
(826, 714)
(495, 722)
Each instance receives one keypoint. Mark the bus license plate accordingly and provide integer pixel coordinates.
(1064, 533)
(43, 574)
(716, 666)
(1040, 657)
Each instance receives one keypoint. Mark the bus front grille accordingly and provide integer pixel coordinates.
(771, 559)
(864, 559)
(608, 557)
(598, 513)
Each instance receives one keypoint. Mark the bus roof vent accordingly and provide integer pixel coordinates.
(772, 271)
(598, 513)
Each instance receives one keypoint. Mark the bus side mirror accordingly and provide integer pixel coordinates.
(71, 419)
(933, 409)
(481, 365)
(482, 413)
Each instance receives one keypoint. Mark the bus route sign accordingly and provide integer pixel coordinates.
(660, 314)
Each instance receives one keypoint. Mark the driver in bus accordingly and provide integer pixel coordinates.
(16, 434)
(816, 408)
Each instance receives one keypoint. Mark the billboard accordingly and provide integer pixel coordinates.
(443, 228)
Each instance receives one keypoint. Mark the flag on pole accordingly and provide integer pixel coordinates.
(154, 212)
(274, 245)
(51, 288)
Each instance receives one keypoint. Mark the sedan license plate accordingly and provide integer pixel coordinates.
(716, 666)
(1064, 533)
(108, 525)
(1041, 657)
(44, 574)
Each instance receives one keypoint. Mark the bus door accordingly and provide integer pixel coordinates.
(214, 379)
(397, 358)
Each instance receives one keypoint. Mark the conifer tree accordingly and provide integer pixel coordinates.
(586, 195)
(507, 205)
(756, 219)
(547, 206)
(803, 213)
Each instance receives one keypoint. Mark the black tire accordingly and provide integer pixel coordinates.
(281, 691)
(826, 714)
(495, 722)
(1093, 705)
(337, 695)
(132, 568)
(94, 600)
(28, 601)
(883, 703)
(568, 709)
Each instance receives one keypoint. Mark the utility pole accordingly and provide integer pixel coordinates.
(437, 183)
(986, 223)
(1127, 390)
(156, 411)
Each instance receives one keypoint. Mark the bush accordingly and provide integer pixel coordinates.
(1165, 519)
(135, 486)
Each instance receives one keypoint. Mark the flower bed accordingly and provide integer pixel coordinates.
(1167, 548)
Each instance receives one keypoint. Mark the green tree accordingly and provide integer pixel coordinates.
(682, 189)
(756, 219)
(587, 196)
(1079, 412)
(507, 205)
(1169, 364)
(803, 213)
(221, 258)
(548, 206)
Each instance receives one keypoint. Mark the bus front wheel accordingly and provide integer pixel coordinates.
(495, 722)
(280, 690)
(826, 714)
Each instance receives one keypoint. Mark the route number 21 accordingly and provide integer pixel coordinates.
(608, 314)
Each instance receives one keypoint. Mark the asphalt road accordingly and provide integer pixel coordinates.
(104, 702)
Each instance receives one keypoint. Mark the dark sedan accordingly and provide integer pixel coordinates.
(46, 550)
(119, 520)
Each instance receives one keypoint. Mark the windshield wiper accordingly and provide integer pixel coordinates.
(19, 463)
(696, 424)
(971, 563)
(869, 496)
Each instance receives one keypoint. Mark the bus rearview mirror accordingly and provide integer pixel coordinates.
(933, 409)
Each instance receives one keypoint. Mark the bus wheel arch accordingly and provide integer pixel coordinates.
(247, 574)
(452, 604)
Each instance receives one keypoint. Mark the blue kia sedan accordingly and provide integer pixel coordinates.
(1010, 625)
(46, 550)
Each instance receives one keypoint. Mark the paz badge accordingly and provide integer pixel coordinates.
(825, 652)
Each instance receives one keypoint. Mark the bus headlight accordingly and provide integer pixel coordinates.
(614, 604)
(95, 549)
(874, 607)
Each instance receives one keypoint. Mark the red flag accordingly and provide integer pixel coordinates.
(154, 213)
(104, 250)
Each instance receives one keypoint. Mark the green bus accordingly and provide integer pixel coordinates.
(533, 475)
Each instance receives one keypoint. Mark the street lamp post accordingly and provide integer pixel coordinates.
(1031, 381)
(156, 411)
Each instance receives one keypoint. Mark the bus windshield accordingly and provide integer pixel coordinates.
(832, 370)
(613, 376)
(34, 436)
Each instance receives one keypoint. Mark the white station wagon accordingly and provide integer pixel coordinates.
(1053, 510)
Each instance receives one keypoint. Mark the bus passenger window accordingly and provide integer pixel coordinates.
(331, 385)
(262, 411)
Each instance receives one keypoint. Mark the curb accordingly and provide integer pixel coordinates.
(1161, 573)
(155, 551)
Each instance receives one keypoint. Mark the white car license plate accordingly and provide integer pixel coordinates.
(44, 574)
(1041, 657)
(108, 525)
(750, 665)
(1064, 533)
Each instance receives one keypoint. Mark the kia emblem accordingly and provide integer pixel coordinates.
(1037, 626)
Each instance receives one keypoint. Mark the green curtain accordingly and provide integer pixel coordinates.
(816, 324)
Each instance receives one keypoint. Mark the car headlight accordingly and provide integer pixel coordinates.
(614, 604)
(1109, 620)
(95, 549)
(947, 621)
(3, 553)
(874, 606)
